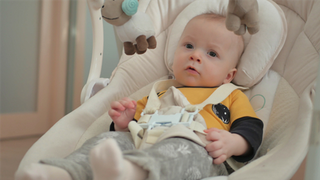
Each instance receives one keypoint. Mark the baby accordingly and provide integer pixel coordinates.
(206, 57)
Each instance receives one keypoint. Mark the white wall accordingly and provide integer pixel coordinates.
(19, 51)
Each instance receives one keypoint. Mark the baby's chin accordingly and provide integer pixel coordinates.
(197, 84)
(188, 83)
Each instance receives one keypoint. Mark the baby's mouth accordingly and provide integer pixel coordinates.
(192, 70)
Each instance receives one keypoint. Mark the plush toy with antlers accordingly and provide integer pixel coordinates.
(243, 15)
(134, 28)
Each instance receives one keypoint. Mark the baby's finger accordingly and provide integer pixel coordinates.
(214, 146)
(220, 159)
(134, 103)
(113, 113)
(116, 105)
(213, 135)
(216, 154)
(127, 103)
(212, 129)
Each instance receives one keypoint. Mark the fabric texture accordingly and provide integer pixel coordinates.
(77, 164)
(174, 158)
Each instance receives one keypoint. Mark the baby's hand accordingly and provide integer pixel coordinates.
(220, 148)
(225, 144)
(122, 112)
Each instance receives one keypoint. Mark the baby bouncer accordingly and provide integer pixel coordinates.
(279, 65)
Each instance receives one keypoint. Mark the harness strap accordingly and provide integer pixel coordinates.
(154, 104)
(221, 93)
(136, 133)
(196, 126)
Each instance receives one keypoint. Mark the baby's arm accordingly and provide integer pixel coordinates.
(225, 144)
(122, 112)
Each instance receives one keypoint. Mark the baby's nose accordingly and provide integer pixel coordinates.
(196, 55)
(195, 58)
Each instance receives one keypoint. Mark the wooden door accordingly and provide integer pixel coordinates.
(49, 65)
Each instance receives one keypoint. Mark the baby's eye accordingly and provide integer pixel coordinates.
(189, 46)
(213, 54)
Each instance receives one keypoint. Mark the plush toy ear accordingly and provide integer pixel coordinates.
(130, 7)
(243, 15)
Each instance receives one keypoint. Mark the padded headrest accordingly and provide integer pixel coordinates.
(261, 49)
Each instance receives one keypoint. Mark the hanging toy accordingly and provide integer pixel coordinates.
(134, 28)
(243, 15)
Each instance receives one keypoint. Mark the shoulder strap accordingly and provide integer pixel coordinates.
(216, 97)
(220, 94)
(154, 103)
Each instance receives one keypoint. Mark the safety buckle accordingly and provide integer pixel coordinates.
(184, 118)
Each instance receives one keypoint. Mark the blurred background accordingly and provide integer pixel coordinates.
(45, 54)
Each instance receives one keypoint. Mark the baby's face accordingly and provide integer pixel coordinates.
(207, 53)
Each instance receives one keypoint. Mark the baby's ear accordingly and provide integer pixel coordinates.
(230, 76)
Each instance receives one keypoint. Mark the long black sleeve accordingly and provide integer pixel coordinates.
(111, 128)
(251, 129)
